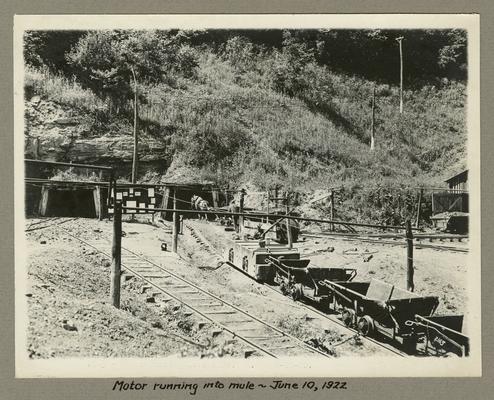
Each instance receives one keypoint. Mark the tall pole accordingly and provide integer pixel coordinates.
(372, 143)
(419, 206)
(116, 252)
(134, 156)
(288, 224)
(400, 40)
(267, 208)
(175, 223)
(331, 212)
(409, 236)
(241, 208)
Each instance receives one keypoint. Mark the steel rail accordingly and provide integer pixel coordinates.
(266, 215)
(246, 313)
(417, 245)
(321, 314)
(325, 316)
(147, 280)
(299, 342)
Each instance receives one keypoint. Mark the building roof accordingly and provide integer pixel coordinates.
(460, 175)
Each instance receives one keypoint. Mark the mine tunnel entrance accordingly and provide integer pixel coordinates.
(71, 203)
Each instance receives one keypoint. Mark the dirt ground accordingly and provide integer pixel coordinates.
(70, 314)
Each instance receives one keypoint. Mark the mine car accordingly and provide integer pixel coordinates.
(301, 281)
(251, 257)
(379, 308)
(442, 334)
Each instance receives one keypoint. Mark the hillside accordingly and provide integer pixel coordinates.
(242, 114)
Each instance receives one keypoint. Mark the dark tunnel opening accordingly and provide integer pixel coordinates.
(71, 203)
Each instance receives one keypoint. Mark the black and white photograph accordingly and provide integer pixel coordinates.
(237, 195)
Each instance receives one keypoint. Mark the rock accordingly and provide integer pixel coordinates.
(202, 324)
(157, 324)
(150, 300)
(35, 100)
(65, 121)
(42, 242)
(248, 353)
(144, 288)
(368, 258)
(69, 326)
(29, 295)
(216, 332)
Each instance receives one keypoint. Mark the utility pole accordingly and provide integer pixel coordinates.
(241, 209)
(419, 206)
(400, 40)
(135, 155)
(372, 143)
(331, 215)
(175, 226)
(288, 224)
(409, 236)
(116, 252)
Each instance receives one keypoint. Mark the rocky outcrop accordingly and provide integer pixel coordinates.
(60, 133)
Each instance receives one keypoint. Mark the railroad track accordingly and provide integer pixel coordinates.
(263, 338)
(382, 241)
(331, 318)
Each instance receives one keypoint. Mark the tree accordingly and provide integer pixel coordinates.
(115, 63)
(48, 48)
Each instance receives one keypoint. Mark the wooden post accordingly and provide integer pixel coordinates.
(419, 206)
(43, 203)
(112, 186)
(98, 202)
(164, 201)
(215, 198)
(372, 143)
(241, 210)
(267, 208)
(331, 212)
(116, 252)
(409, 236)
(288, 224)
(175, 226)
(136, 141)
(227, 199)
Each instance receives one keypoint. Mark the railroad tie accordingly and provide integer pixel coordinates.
(221, 312)
(271, 348)
(186, 292)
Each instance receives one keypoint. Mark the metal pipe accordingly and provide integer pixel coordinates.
(264, 215)
(68, 164)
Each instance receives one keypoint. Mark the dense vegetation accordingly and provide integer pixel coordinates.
(289, 108)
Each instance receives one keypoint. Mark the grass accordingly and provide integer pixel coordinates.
(231, 124)
(60, 90)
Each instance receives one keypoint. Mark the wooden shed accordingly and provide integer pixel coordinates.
(459, 182)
